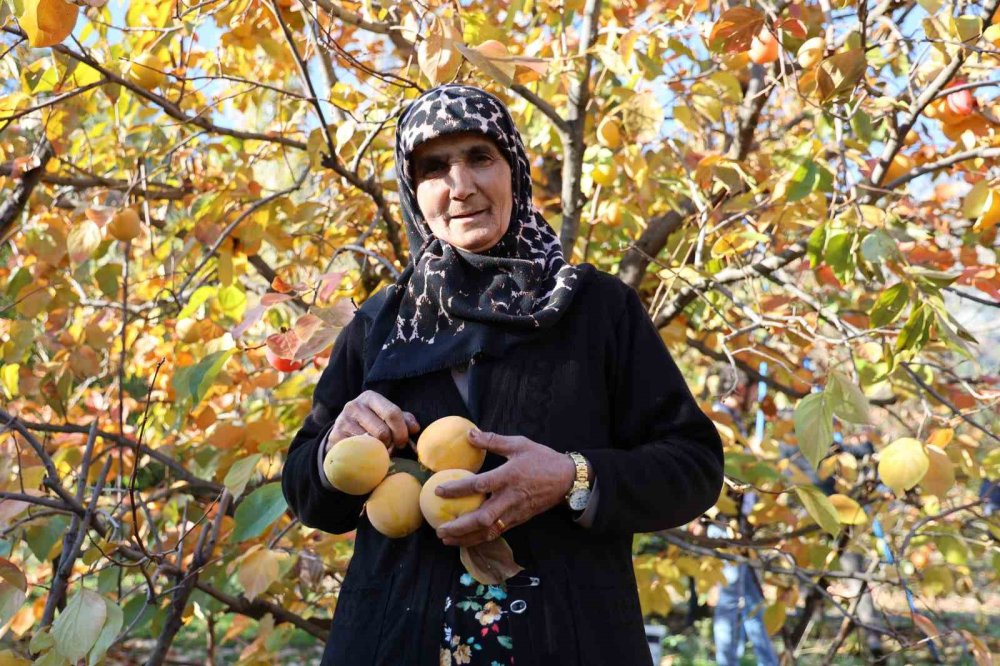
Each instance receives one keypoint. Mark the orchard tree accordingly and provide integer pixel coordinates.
(197, 194)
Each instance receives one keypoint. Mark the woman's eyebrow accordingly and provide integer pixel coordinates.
(444, 154)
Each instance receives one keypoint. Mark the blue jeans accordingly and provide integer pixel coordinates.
(739, 615)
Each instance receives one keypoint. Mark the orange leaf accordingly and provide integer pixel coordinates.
(735, 29)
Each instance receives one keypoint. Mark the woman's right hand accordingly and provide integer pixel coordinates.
(373, 414)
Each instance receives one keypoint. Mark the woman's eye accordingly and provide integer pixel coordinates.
(481, 158)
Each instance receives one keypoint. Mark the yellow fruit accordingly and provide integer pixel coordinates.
(609, 133)
(811, 52)
(444, 444)
(440, 510)
(146, 71)
(900, 166)
(603, 174)
(48, 22)
(125, 225)
(355, 465)
(394, 507)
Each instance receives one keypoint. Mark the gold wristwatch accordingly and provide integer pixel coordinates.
(579, 492)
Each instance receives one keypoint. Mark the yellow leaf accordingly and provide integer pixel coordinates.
(849, 512)
(819, 508)
(48, 22)
(941, 437)
(940, 476)
(83, 240)
(258, 570)
(903, 464)
(774, 617)
(437, 57)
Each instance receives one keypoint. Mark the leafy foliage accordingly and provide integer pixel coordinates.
(195, 194)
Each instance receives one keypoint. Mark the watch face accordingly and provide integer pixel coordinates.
(578, 500)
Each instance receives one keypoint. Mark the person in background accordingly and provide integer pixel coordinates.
(739, 611)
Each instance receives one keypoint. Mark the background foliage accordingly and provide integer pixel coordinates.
(806, 191)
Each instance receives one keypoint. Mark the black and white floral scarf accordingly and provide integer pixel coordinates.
(450, 305)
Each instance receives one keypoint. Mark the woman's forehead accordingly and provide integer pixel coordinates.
(447, 144)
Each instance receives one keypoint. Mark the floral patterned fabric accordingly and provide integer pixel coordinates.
(477, 624)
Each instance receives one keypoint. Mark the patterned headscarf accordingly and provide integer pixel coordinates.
(450, 305)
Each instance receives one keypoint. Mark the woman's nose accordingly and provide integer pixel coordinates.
(462, 182)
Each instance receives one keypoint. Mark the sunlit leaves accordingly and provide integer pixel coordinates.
(83, 239)
(849, 512)
(13, 589)
(735, 29)
(437, 56)
(819, 508)
(192, 382)
(890, 304)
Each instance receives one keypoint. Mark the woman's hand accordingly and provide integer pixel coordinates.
(373, 414)
(534, 479)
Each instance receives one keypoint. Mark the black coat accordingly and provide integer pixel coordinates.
(600, 382)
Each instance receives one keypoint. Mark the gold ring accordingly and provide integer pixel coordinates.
(500, 524)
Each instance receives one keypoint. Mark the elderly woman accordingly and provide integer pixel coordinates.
(590, 430)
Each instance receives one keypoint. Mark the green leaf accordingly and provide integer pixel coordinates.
(838, 252)
(194, 381)
(233, 301)
(931, 278)
(846, 399)
(107, 277)
(43, 535)
(916, 329)
(889, 305)
(820, 508)
(76, 628)
(877, 246)
(239, 474)
(815, 244)
(814, 426)
(261, 508)
(411, 467)
(198, 298)
(109, 632)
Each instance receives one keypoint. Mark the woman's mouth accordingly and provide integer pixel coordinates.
(466, 217)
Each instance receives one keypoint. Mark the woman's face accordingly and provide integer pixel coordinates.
(463, 188)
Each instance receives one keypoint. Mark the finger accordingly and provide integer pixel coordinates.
(480, 520)
(484, 483)
(391, 415)
(373, 425)
(411, 423)
(500, 444)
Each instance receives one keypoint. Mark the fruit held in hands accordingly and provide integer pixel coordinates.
(146, 71)
(48, 22)
(125, 225)
(356, 465)
(445, 444)
(440, 510)
(394, 507)
(282, 364)
(763, 48)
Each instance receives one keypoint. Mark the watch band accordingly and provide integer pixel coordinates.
(582, 481)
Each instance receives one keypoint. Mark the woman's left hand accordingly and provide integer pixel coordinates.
(534, 479)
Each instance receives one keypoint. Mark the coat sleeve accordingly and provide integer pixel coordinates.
(665, 466)
(317, 504)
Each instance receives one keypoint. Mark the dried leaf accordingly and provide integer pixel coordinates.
(490, 563)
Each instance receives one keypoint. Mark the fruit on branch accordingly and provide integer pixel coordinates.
(609, 133)
(764, 48)
(811, 52)
(900, 166)
(48, 22)
(603, 174)
(356, 465)
(440, 510)
(394, 507)
(146, 71)
(961, 103)
(444, 444)
(125, 225)
(282, 364)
